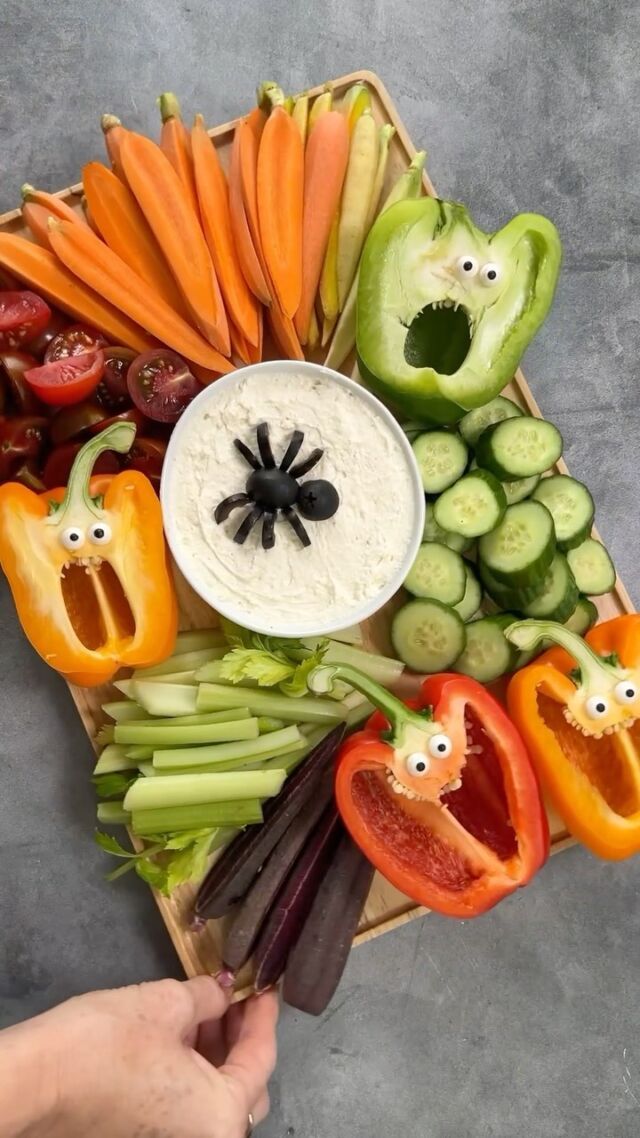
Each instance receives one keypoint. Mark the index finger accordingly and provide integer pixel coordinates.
(252, 1058)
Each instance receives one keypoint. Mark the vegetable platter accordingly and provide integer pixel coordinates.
(386, 907)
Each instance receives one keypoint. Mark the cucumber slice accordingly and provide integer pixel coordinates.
(473, 506)
(442, 458)
(592, 568)
(427, 635)
(571, 507)
(437, 572)
(472, 599)
(477, 421)
(433, 532)
(583, 617)
(559, 595)
(510, 600)
(520, 550)
(519, 448)
(520, 489)
(488, 654)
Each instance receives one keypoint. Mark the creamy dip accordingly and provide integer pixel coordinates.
(353, 555)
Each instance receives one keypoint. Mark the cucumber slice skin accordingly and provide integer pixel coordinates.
(504, 450)
(527, 566)
(488, 654)
(491, 498)
(433, 532)
(438, 573)
(560, 595)
(510, 600)
(444, 450)
(573, 518)
(592, 568)
(477, 421)
(583, 617)
(417, 654)
(520, 489)
(472, 599)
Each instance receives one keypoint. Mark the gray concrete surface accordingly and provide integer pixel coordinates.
(525, 1022)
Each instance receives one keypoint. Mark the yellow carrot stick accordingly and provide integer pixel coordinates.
(301, 115)
(320, 105)
(356, 196)
(385, 135)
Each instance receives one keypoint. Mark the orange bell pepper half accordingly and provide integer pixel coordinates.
(440, 794)
(578, 710)
(88, 567)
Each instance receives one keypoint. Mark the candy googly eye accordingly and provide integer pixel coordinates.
(625, 692)
(418, 765)
(489, 274)
(467, 266)
(72, 537)
(100, 533)
(596, 706)
(440, 746)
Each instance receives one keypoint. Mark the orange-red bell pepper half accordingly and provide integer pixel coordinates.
(88, 569)
(578, 710)
(440, 795)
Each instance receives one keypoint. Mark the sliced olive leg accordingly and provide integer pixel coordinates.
(247, 454)
(254, 515)
(264, 446)
(225, 507)
(307, 464)
(292, 450)
(297, 526)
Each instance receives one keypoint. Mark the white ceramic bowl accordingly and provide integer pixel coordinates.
(174, 463)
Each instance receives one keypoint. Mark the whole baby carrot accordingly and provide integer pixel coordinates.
(280, 188)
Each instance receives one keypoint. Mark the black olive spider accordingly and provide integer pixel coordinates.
(271, 488)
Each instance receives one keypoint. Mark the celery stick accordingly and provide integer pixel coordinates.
(140, 754)
(106, 735)
(244, 751)
(359, 714)
(113, 814)
(113, 758)
(168, 678)
(221, 837)
(122, 710)
(171, 819)
(183, 662)
(290, 761)
(198, 638)
(170, 699)
(382, 669)
(272, 760)
(213, 673)
(267, 723)
(198, 789)
(352, 635)
(149, 735)
(306, 709)
(233, 715)
(147, 770)
(126, 687)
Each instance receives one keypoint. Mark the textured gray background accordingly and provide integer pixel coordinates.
(525, 1022)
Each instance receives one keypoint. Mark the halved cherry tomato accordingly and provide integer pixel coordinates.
(147, 455)
(161, 384)
(74, 421)
(131, 415)
(22, 316)
(68, 380)
(58, 465)
(20, 438)
(13, 365)
(76, 340)
(112, 391)
(9, 283)
(28, 473)
(40, 343)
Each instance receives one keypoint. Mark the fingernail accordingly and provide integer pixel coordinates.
(226, 979)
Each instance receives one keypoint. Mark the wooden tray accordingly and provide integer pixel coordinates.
(386, 908)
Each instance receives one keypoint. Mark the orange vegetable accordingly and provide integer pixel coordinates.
(114, 133)
(42, 270)
(284, 333)
(250, 132)
(91, 222)
(38, 205)
(325, 165)
(37, 220)
(177, 230)
(213, 196)
(248, 256)
(122, 224)
(280, 202)
(175, 142)
(246, 352)
(103, 270)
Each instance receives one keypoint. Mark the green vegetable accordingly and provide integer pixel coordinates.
(519, 448)
(168, 699)
(113, 814)
(124, 709)
(307, 709)
(114, 785)
(437, 572)
(113, 758)
(196, 639)
(477, 421)
(241, 751)
(199, 789)
(473, 506)
(592, 568)
(428, 635)
(172, 819)
(433, 532)
(442, 458)
(149, 734)
(431, 360)
(182, 662)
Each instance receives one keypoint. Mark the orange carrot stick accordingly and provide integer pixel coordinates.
(36, 218)
(43, 272)
(105, 272)
(280, 202)
(248, 256)
(91, 221)
(213, 197)
(250, 130)
(177, 230)
(122, 224)
(55, 205)
(246, 352)
(175, 142)
(325, 165)
(284, 333)
(114, 133)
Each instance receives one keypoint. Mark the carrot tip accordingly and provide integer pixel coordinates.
(109, 121)
(169, 106)
(269, 95)
(27, 191)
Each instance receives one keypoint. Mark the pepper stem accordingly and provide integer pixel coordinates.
(118, 437)
(322, 678)
(528, 634)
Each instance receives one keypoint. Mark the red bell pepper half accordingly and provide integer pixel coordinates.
(440, 795)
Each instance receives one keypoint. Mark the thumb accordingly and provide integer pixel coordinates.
(185, 1005)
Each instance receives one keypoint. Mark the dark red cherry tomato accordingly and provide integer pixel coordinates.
(69, 380)
(40, 343)
(112, 391)
(22, 316)
(161, 384)
(131, 415)
(13, 365)
(20, 438)
(74, 422)
(58, 465)
(76, 340)
(147, 455)
(28, 474)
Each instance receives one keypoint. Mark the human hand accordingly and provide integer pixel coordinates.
(161, 1060)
